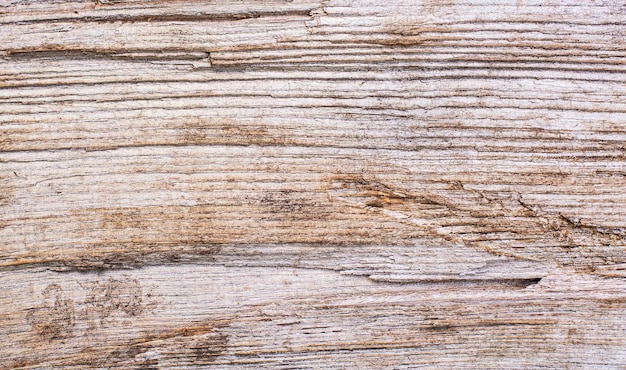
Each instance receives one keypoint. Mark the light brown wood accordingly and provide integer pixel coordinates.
(312, 184)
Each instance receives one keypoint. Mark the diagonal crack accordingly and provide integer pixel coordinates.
(503, 224)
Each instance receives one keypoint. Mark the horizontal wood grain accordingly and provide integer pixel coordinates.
(312, 184)
(187, 316)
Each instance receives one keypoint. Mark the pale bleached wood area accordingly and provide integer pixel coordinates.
(312, 184)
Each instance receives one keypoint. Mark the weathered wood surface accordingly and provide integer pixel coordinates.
(312, 184)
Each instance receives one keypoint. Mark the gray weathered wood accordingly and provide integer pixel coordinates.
(312, 184)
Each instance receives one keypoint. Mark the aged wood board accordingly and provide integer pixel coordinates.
(312, 184)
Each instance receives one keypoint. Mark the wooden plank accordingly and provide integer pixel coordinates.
(312, 184)
(188, 315)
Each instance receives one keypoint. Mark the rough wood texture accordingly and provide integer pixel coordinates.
(312, 184)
